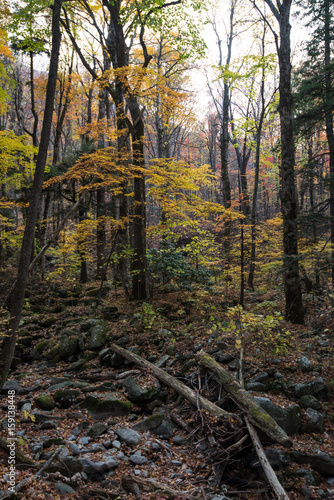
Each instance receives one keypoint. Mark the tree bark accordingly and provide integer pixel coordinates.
(9, 337)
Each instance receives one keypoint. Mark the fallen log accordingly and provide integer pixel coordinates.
(186, 392)
(255, 414)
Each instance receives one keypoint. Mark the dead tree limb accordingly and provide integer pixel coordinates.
(152, 485)
(256, 415)
(186, 392)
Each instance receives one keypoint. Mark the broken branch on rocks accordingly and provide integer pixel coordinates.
(233, 419)
(254, 413)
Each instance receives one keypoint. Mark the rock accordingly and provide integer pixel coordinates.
(289, 419)
(260, 377)
(305, 364)
(49, 424)
(78, 366)
(165, 430)
(319, 461)
(162, 361)
(63, 489)
(101, 406)
(38, 350)
(61, 385)
(69, 466)
(317, 388)
(128, 436)
(256, 387)
(98, 337)
(110, 313)
(315, 423)
(66, 397)
(44, 402)
(11, 385)
(309, 401)
(75, 449)
(110, 460)
(97, 429)
(138, 394)
(164, 333)
(148, 423)
(85, 326)
(68, 346)
(137, 459)
(171, 350)
(306, 474)
(116, 360)
(277, 458)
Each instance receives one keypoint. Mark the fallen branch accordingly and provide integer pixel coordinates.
(267, 468)
(151, 485)
(186, 392)
(256, 415)
(19, 456)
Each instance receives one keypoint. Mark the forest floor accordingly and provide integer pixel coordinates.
(191, 456)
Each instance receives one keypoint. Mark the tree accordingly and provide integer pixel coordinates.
(8, 340)
(294, 311)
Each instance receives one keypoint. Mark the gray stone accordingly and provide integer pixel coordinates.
(162, 361)
(98, 337)
(97, 429)
(44, 402)
(116, 360)
(128, 436)
(306, 474)
(63, 489)
(68, 346)
(165, 429)
(315, 423)
(305, 364)
(260, 377)
(85, 326)
(110, 313)
(66, 397)
(289, 419)
(49, 424)
(76, 450)
(61, 385)
(110, 460)
(137, 459)
(138, 394)
(102, 406)
(319, 461)
(277, 458)
(163, 332)
(67, 467)
(309, 401)
(317, 388)
(256, 387)
(148, 423)
(11, 385)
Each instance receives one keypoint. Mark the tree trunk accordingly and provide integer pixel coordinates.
(9, 337)
(329, 121)
(292, 287)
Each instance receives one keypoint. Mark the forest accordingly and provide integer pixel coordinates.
(166, 249)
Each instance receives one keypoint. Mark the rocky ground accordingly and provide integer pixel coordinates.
(109, 430)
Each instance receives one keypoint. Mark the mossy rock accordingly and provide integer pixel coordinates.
(39, 348)
(44, 402)
(66, 397)
(68, 346)
(102, 406)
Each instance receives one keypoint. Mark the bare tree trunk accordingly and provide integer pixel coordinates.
(9, 337)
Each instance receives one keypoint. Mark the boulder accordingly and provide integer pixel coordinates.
(148, 424)
(289, 419)
(138, 394)
(102, 406)
(68, 346)
(97, 337)
(319, 461)
(85, 326)
(305, 364)
(44, 402)
(309, 401)
(315, 422)
(128, 436)
(317, 388)
(66, 397)
(97, 429)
